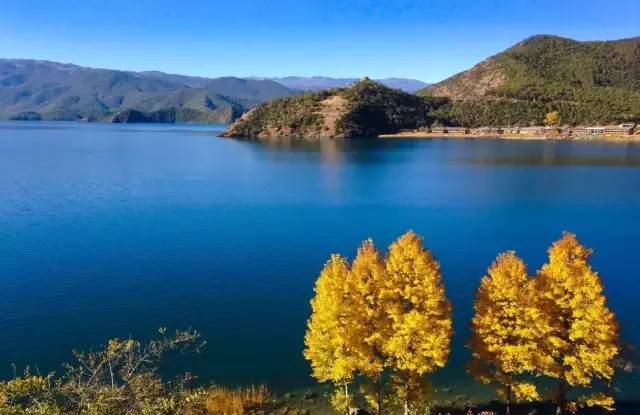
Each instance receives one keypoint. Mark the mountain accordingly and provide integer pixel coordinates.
(587, 82)
(364, 109)
(317, 83)
(51, 90)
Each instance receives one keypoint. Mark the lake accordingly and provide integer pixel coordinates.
(116, 230)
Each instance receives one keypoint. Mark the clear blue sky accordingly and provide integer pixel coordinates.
(427, 40)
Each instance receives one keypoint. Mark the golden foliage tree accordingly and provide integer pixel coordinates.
(328, 331)
(584, 332)
(420, 314)
(552, 118)
(368, 322)
(507, 329)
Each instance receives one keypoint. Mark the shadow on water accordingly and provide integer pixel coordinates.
(495, 152)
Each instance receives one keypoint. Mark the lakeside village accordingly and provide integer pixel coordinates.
(624, 131)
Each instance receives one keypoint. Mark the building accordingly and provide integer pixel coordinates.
(578, 131)
(450, 130)
(489, 130)
(606, 131)
(536, 130)
(619, 130)
(458, 130)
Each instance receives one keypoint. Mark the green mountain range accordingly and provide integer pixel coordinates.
(31, 89)
(587, 82)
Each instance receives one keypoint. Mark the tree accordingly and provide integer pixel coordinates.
(120, 378)
(327, 336)
(368, 323)
(507, 329)
(552, 118)
(584, 332)
(419, 312)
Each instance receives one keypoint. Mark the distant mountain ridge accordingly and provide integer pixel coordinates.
(587, 82)
(38, 89)
(59, 91)
(317, 83)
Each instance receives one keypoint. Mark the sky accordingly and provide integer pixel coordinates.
(426, 40)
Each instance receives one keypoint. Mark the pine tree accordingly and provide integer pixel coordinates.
(328, 332)
(420, 314)
(583, 341)
(507, 329)
(368, 323)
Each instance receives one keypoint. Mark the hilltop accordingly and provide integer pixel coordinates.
(50, 90)
(588, 82)
(364, 109)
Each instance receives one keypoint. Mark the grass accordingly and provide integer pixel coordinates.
(221, 400)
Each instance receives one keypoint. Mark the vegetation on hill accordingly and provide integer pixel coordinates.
(364, 109)
(587, 82)
(222, 115)
(584, 82)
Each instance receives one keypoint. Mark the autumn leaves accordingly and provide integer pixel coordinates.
(388, 321)
(555, 324)
(378, 314)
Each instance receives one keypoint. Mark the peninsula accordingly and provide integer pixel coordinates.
(364, 109)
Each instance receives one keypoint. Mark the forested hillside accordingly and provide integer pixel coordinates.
(364, 109)
(587, 82)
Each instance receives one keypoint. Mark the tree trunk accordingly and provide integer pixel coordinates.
(508, 411)
(561, 395)
(406, 407)
(346, 397)
(379, 395)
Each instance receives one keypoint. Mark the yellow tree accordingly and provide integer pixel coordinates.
(368, 323)
(584, 337)
(414, 297)
(507, 329)
(326, 339)
(552, 118)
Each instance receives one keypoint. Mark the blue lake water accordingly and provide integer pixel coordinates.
(116, 230)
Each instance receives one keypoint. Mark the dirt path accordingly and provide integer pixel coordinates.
(331, 110)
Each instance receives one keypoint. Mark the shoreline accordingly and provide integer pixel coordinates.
(422, 135)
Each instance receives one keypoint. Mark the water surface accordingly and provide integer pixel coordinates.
(116, 230)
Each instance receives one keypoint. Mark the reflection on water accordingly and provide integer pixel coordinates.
(115, 230)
